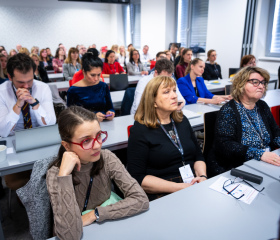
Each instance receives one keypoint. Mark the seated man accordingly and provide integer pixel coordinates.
(144, 55)
(163, 67)
(160, 55)
(24, 103)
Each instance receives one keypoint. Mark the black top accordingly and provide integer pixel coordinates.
(212, 71)
(151, 152)
(43, 75)
(176, 61)
(48, 67)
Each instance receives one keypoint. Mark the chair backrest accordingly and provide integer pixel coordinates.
(228, 89)
(127, 101)
(118, 82)
(55, 95)
(128, 130)
(209, 131)
(178, 45)
(272, 84)
(232, 71)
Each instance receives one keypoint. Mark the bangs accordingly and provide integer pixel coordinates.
(168, 82)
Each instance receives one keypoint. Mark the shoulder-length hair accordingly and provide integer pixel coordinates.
(245, 59)
(69, 58)
(241, 78)
(131, 55)
(57, 53)
(41, 58)
(181, 62)
(146, 113)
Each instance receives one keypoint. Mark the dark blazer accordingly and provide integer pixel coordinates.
(212, 71)
(49, 67)
(43, 75)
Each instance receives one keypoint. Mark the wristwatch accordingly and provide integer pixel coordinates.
(204, 176)
(96, 214)
(34, 104)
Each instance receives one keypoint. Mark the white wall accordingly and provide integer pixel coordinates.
(46, 23)
(225, 31)
(157, 24)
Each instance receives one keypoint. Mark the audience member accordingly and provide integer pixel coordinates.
(12, 52)
(90, 92)
(35, 50)
(245, 128)
(193, 88)
(81, 162)
(134, 66)
(144, 55)
(162, 141)
(122, 56)
(160, 55)
(63, 47)
(18, 47)
(2, 47)
(129, 47)
(212, 69)
(4, 60)
(248, 60)
(4, 52)
(110, 66)
(58, 60)
(163, 67)
(25, 51)
(40, 72)
(49, 53)
(45, 61)
(168, 54)
(115, 48)
(2, 79)
(82, 51)
(173, 51)
(93, 45)
(72, 64)
(177, 59)
(184, 62)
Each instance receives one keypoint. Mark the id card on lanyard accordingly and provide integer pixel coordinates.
(185, 171)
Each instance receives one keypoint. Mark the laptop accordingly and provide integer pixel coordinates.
(36, 138)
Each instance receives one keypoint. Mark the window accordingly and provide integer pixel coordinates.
(273, 31)
(192, 18)
(132, 23)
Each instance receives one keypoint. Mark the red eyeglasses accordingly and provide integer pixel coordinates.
(88, 143)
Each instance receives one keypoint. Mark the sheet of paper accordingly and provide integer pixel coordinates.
(249, 193)
(10, 150)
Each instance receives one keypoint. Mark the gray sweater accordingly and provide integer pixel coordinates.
(69, 70)
(131, 69)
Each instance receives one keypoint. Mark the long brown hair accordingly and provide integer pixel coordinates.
(69, 58)
(68, 121)
(41, 58)
(146, 112)
(181, 62)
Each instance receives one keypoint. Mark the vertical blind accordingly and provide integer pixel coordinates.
(275, 37)
(182, 23)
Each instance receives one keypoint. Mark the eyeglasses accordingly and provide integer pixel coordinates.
(257, 82)
(229, 182)
(88, 143)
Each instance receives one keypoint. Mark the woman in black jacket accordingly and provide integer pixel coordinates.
(40, 72)
(212, 70)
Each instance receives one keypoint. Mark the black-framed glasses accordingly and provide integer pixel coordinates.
(257, 82)
(88, 143)
(237, 181)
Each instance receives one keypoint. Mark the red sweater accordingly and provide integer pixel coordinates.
(78, 76)
(180, 70)
(112, 68)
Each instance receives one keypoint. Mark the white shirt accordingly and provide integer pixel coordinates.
(145, 57)
(9, 119)
(140, 89)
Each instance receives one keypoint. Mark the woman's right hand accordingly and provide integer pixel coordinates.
(217, 100)
(100, 116)
(271, 158)
(68, 163)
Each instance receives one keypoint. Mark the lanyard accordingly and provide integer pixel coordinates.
(179, 146)
(88, 193)
(113, 72)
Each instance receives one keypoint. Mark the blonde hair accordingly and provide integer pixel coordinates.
(24, 50)
(241, 78)
(115, 46)
(33, 48)
(69, 59)
(34, 55)
(146, 113)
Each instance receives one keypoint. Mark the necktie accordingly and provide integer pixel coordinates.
(25, 110)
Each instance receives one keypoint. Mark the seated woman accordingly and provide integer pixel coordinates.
(80, 179)
(4, 60)
(248, 60)
(245, 127)
(12, 52)
(177, 59)
(162, 141)
(185, 59)
(134, 66)
(58, 60)
(90, 92)
(49, 53)
(35, 50)
(110, 66)
(72, 64)
(212, 70)
(115, 48)
(24, 50)
(45, 61)
(192, 86)
(40, 72)
(122, 56)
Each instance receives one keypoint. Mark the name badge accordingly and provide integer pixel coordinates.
(186, 173)
(267, 149)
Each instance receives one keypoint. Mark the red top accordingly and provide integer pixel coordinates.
(153, 63)
(78, 76)
(180, 70)
(112, 68)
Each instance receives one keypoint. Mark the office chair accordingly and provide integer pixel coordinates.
(272, 84)
(232, 71)
(127, 101)
(178, 45)
(118, 82)
(228, 89)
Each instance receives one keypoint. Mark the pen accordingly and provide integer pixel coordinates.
(233, 189)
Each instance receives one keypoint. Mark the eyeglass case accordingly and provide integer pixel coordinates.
(246, 176)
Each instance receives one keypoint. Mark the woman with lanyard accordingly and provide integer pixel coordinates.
(134, 66)
(72, 64)
(79, 180)
(245, 127)
(163, 155)
(110, 66)
(212, 70)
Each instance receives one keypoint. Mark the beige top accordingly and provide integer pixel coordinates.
(68, 201)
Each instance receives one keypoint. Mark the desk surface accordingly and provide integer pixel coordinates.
(198, 213)
(265, 168)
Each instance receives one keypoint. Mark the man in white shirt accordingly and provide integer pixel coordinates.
(24, 96)
(173, 50)
(163, 67)
(145, 56)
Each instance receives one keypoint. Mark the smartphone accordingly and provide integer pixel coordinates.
(3, 142)
(179, 103)
(109, 115)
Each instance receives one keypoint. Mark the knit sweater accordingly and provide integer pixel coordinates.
(68, 201)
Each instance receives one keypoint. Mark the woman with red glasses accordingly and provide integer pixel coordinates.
(79, 180)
